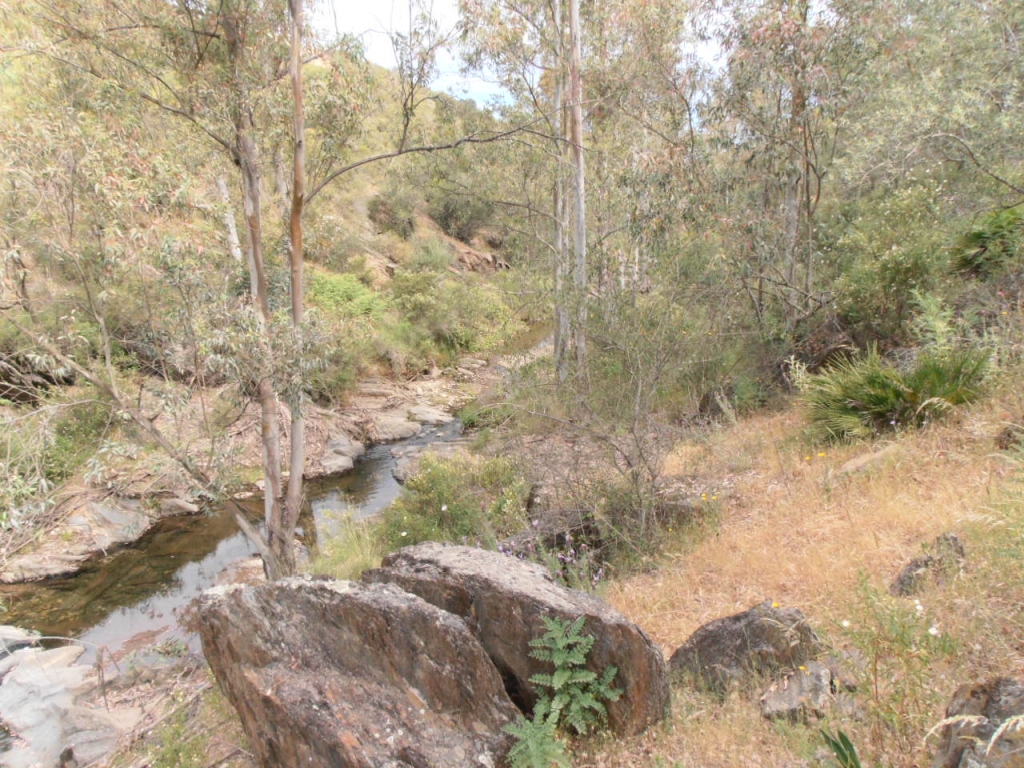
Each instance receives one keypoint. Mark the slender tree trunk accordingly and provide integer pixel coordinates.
(561, 255)
(234, 245)
(293, 499)
(579, 207)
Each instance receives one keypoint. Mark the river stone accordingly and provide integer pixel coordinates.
(505, 601)
(424, 414)
(763, 639)
(392, 426)
(41, 701)
(967, 744)
(342, 675)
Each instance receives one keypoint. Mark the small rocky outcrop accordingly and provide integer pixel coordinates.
(340, 454)
(504, 600)
(976, 713)
(945, 557)
(800, 696)
(44, 702)
(762, 640)
(93, 526)
(343, 675)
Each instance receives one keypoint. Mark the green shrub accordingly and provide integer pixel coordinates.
(461, 499)
(75, 437)
(394, 212)
(344, 294)
(459, 216)
(992, 245)
(866, 396)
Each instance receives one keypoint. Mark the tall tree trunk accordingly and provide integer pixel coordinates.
(296, 464)
(561, 255)
(579, 207)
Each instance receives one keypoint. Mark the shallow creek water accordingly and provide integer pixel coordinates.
(136, 597)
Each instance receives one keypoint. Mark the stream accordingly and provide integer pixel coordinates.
(135, 598)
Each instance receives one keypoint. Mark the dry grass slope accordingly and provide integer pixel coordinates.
(799, 527)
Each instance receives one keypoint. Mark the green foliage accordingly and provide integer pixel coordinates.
(573, 699)
(344, 294)
(76, 433)
(353, 548)
(462, 499)
(444, 313)
(458, 215)
(842, 748)
(576, 694)
(537, 742)
(394, 212)
(883, 250)
(992, 245)
(865, 396)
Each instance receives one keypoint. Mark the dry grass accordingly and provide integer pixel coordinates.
(795, 527)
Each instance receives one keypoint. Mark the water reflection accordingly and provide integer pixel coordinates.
(136, 596)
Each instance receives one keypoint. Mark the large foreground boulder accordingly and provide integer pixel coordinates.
(974, 718)
(505, 601)
(763, 640)
(342, 675)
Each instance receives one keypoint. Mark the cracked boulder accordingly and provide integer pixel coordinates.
(505, 600)
(336, 674)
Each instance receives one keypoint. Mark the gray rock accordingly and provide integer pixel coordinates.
(800, 696)
(15, 638)
(340, 454)
(946, 556)
(424, 414)
(505, 599)
(762, 640)
(390, 426)
(983, 707)
(342, 675)
(42, 702)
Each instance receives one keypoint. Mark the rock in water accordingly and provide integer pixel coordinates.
(504, 600)
(341, 675)
(764, 639)
(983, 707)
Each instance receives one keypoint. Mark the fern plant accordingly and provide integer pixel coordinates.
(576, 693)
(574, 699)
(537, 743)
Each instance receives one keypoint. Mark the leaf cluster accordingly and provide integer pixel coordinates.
(574, 699)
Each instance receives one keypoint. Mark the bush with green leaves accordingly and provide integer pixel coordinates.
(393, 212)
(991, 245)
(866, 396)
(344, 294)
(880, 251)
(573, 697)
(459, 215)
(460, 499)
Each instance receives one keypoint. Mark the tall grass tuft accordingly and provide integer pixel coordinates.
(866, 396)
